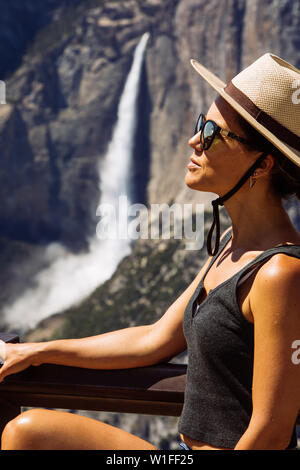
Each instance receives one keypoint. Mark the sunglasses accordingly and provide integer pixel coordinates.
(210, 129)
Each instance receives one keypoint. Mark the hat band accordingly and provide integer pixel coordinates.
(263, 118)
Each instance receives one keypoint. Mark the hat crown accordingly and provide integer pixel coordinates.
(267, 95)
(273, 85)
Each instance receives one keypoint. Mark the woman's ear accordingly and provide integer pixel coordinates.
(265, 166)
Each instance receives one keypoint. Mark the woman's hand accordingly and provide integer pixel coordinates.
(16, 357)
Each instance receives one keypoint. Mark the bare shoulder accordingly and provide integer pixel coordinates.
(280, 269)
(277, 285)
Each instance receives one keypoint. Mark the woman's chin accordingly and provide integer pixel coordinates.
(192, 181)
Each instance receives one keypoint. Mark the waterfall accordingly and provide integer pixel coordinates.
(71, 278)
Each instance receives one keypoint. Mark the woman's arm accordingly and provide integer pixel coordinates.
(130, 347)
(274, 300)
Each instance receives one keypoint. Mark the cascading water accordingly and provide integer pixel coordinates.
(71, 278)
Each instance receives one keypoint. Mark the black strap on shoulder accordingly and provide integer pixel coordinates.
(220, 202)
(247, 271)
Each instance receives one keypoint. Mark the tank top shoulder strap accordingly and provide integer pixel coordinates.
(246, 271)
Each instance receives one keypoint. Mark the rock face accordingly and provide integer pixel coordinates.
(19, 23)
(63, 93)
(62, 99)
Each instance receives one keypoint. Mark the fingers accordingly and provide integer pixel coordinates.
(2, 359)
(4, 362)
(2, 352)
(3, 373)
(14, 358)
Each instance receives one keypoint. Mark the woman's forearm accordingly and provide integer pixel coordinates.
(130, 347)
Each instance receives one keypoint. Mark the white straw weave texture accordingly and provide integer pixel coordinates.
(268, 83)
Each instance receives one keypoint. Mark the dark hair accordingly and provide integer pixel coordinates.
(285, 175)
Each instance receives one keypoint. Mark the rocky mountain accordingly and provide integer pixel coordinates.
(62, 99)
(20, 21)
(65, 64)
(64, 83)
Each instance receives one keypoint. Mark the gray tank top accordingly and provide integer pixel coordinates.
(218, 404)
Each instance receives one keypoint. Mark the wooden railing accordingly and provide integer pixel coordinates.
(155, 390)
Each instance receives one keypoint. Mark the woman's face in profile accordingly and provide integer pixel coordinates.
(220, 167)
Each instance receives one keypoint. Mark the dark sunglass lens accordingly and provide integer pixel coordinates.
(208, 135)
(199, 123)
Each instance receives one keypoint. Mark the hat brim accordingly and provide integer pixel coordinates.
(219, 86)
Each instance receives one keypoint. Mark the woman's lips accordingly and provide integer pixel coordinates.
(193, 164)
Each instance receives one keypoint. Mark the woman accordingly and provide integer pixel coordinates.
(240, 315)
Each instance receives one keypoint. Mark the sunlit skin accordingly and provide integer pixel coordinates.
(258, 219)
(222, 165)
(264, 223)
(259, 222)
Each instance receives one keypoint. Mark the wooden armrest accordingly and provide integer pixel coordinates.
(155, 390)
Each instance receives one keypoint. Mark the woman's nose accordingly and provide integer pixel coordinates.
(195, 143)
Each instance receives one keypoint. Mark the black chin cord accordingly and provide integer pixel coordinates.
(220, 202)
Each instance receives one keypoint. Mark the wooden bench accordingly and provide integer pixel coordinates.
(155, 390)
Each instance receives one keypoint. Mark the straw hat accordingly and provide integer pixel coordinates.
(266, 94)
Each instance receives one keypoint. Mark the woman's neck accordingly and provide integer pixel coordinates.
(260, 226)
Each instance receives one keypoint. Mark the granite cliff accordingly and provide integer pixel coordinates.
(62, 100)
(63, 89)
